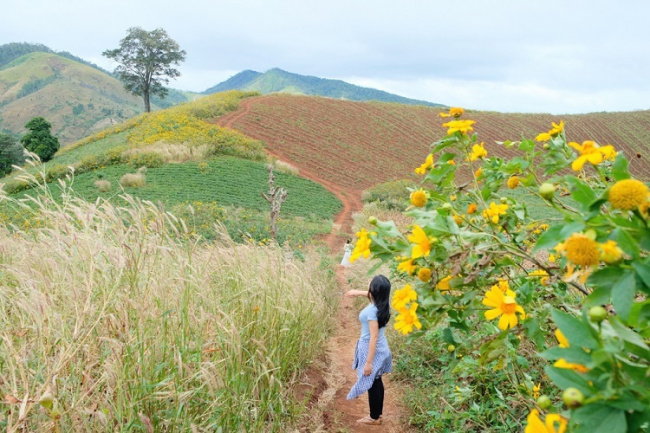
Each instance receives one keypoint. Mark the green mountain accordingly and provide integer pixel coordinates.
(277, 80)
(75, 96)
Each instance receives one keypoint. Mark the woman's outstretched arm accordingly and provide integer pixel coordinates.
(353, 293)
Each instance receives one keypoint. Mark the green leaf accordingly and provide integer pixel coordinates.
(620, 168)
(628, 335)
(623, 293)
(581, 192)
(448, 336)
(526, 145)
(572, 354)
(625, 241)
(575, 330)
(598, 418)
(388, 229)
(643, 271)
(567, 378)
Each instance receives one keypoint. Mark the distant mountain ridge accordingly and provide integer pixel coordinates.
(277, 80)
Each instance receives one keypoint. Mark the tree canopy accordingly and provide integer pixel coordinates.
(11, 153)
(146, 62)
(40, 140)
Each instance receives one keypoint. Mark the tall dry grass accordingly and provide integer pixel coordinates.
(131, 325)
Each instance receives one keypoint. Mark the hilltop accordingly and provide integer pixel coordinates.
(77, 98)
(358, 144)
(277, 80)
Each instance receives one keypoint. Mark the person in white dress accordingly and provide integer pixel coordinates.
(347, 252)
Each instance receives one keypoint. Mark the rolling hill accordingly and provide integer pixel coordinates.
(77, 98)
(277, 80)
(358, 144)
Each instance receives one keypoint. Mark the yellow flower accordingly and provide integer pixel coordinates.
(407, 319)
(452, 197)
(407, 266)
(544, 136)
(362, 247)
(578, 368)
(459, 125)
(540, 273)
(443, 285)
(554, 423)
(451, 162)
(422, 246)
(424, 274)
(610, 252)
(403, 296)
(556, 129)
(458, 219)
(478, 152)
(478, 173)
(580, 250)
(418, 198)
(428, 163)
(561, 339)
(592, 153)
(536, 389)
(504, 305)
(503, 285)
(471, 208)
(513, 182)
(453, 112)
(628, 194)
(493, 212)
(551, 258)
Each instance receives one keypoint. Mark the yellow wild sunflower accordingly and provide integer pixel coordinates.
(610, 252)
(422, 246)
(459, 125)
(478, 172)
(554, 423)
(471, 208)
(407, 319)
(503, 305)
(407, 266)
(578, 368)
(544, 136)
(424, 274)
(561, 339)
(443, 284)
(478, 152)
(403, 296)
(362, 247)
(428, 163)
(418, 198)
(592, 153)
(513, 182)
(492, 213)
(628, 194)
(580, 250)
(453, 112)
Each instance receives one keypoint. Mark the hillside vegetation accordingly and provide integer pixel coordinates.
(78, 99)
(359, 144)
(277, 80)
(189, 161)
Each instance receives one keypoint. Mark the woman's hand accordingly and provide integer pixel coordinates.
(367, 369)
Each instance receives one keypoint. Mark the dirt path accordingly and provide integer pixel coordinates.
(338, 414)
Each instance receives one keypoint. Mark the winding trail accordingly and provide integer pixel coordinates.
(336, 413)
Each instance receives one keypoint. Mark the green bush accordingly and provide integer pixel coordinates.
(392, 195)
(147, 159)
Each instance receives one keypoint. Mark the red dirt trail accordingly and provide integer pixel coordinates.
(339, 414)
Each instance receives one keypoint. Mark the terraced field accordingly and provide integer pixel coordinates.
(359, 144)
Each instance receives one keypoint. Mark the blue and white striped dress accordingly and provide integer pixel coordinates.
(381, 363)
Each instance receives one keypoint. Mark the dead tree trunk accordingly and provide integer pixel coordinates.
(276, 197)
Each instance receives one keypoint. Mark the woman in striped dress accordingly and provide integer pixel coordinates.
(372, 357)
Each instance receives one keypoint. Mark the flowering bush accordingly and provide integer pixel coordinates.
(571, 289)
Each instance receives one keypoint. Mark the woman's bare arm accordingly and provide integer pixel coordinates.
(353, 293)
(372, 346)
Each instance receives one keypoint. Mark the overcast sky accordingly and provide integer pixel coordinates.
(571, 56)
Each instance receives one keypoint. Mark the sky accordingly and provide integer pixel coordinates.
(570, 56)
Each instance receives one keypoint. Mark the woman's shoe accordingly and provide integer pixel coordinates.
(369, 421)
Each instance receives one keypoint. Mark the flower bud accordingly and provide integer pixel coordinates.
(372, 220)
(597, 314)
(46, 400)
(547, 191)
(544, 402)
(573, 398)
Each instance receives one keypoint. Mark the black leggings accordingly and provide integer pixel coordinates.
(376, 398)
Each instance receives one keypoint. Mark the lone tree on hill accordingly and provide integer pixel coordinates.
(39, 140)
(11, 153)
(146, 60)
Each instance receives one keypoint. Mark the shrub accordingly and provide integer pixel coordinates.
(147, 159)
(39, 139)
(133, 180)
(103, 185)
(285, 167)
(393, 194)
(57, 171)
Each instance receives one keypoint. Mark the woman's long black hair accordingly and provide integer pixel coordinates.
(380, 291)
